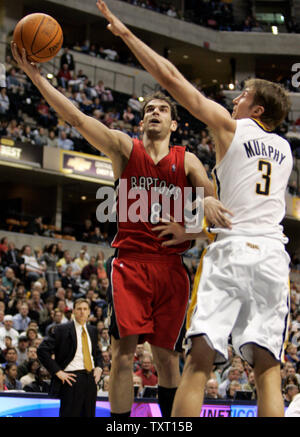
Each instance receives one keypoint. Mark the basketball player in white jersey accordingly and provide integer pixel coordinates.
(244, 286)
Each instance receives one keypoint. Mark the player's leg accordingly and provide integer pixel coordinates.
(121, 393)
(167, 365)
(268, 384)
(190, 393)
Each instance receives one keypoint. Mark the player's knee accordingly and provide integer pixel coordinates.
(167, 363)
(122, 362)
(197, 364)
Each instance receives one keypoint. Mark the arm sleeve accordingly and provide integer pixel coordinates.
(45, 351)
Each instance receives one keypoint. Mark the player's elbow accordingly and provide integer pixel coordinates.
(169, 81)
(75, 119)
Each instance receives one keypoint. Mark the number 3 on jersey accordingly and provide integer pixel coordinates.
(266, 169)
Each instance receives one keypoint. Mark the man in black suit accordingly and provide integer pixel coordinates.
(76, 368)
(67, 58)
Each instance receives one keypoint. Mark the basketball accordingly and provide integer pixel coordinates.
(40, 35)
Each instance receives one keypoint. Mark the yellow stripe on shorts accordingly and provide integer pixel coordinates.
(194, 291)
(209, 235)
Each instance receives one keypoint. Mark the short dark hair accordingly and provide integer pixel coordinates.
(158, 95)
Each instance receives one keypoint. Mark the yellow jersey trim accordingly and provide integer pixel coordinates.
(193, 301)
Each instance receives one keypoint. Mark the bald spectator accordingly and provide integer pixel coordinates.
(8, 330)
(211, 390)
(291, 390)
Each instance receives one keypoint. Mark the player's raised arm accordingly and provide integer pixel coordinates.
(206, 110)
(108, 141)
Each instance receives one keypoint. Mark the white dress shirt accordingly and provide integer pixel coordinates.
(77, 363)
(293, 409)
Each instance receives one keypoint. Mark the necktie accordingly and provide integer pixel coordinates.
(86, 352)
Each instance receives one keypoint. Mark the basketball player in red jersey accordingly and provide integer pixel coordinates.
(149, 284)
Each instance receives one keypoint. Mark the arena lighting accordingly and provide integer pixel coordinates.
(141, 99)
(185, 56)
(83, 197)
(219, 60)
(274, 30)
(50, 76)
(231, 86)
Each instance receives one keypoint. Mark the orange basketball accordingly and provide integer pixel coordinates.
(40, 35)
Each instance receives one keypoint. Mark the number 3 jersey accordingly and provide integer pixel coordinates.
(251, 181)
(145, 192)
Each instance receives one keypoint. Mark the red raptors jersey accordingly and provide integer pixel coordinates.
(147, 191)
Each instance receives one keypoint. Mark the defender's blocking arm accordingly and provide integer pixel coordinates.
(206, 110)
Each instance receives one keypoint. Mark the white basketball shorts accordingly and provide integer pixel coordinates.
(243, 291)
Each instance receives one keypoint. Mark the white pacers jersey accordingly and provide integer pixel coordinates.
(251, 181)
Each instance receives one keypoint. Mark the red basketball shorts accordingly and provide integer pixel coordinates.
(148, 296)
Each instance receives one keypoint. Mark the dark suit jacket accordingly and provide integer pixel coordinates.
(63, 343)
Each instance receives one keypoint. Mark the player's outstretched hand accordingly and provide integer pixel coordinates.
(115, 25)
(216, 213)
(28, 67)
(174, 230)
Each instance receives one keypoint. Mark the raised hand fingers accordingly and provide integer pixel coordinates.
(102, 7)
(15, 52)
(21, 58)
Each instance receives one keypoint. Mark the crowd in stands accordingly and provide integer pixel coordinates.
(38, 288)
(215, 14)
